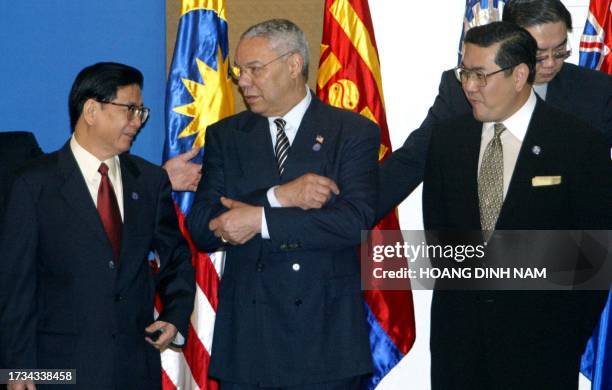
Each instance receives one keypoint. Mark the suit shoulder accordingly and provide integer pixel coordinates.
(143, 165)
(235, 121)
(588, 78)
(357, 123)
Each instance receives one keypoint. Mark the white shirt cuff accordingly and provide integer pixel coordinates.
(272, 197)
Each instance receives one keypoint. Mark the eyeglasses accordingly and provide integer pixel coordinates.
(557, 53)
(463, 75)
(133, 111)
(254, 70)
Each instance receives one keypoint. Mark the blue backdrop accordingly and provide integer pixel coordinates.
(44, 44)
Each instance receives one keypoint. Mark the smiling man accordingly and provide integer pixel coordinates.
(290, 311)
(80, 223)
(512, 163)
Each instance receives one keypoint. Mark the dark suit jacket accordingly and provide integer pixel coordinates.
(69, 305)
(516, 339)
(583, 93)
(16, 147)
(290, 308)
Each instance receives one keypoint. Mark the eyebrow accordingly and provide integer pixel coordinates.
(556, 47)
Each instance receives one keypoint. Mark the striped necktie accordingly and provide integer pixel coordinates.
(281, 149)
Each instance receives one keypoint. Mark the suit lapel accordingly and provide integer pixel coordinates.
(525, 167)
(467, 167)
(254, 151)
(75, 193)
(304, 156)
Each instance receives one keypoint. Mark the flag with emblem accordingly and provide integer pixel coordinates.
(595, 48)
(199, 93)
(479, 13)
(349, 77)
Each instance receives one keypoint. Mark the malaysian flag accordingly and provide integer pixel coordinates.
(199, 93)
(595, 48)
(478, 13)
(349, 77)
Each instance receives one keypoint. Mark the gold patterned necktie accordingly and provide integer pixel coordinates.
(491, 182)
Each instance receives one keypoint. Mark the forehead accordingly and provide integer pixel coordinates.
(477, 57)
(548, 35)
(129, 94)
(253, 50)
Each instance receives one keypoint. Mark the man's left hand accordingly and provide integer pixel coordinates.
(168, 334)
(239, 224)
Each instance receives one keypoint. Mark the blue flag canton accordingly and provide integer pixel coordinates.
(201, 46)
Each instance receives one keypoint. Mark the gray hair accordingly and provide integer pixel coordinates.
(284, 36)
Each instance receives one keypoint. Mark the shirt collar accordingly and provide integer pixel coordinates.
(89, 164)
(518, 122)
(296, 114)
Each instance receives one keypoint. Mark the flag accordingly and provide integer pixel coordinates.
(596, 41)
(349, 78)
(595, 47)
(479, 13)
(198, 93)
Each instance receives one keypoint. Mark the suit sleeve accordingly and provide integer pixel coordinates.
(449, 103)
(339, 223)
(18, 245)
(207, 204)
(433, 189)
(175, 280)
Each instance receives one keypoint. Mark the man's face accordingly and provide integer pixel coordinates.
(551, 39)
(264, 88)
(113, 131)
(495, 101)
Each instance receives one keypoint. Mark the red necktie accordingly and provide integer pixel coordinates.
(108, 208)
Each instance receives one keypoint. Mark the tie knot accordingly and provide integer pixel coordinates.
(498, 129)
(103, 169)
(280, 123)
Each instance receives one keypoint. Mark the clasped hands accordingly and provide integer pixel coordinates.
(243, 221)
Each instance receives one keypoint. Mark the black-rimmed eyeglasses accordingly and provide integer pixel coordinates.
(463, 75)
(133, 111)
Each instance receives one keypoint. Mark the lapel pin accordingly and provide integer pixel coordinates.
(318, 142)
(536, 150)
(135, 195)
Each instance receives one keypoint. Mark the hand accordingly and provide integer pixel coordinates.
(169, 332)
(184, 175)
(309, 191)
(21, 386)
(239, 224)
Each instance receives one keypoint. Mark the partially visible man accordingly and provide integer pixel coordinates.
(513, 163)
(583, 93)
(16, 147)
(78, 282)
(290, 308)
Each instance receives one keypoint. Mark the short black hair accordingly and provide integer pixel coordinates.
(517, 46)
(100, 82)
(527, 13)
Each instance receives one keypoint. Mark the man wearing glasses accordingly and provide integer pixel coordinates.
(78, 284)
(512, 163)
(290, 311)
(582, 92)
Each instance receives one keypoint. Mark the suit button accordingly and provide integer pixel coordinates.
(298, 302)
(118, 297)
(283, 247)
(293, 246)
(296, 267)
(111, 264)
(260, 267)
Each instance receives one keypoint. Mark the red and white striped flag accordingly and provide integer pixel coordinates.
(199, 93)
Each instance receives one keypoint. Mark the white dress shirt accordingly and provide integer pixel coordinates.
(89, 165)
(541, 90)
(293, 119)
(511, 139)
